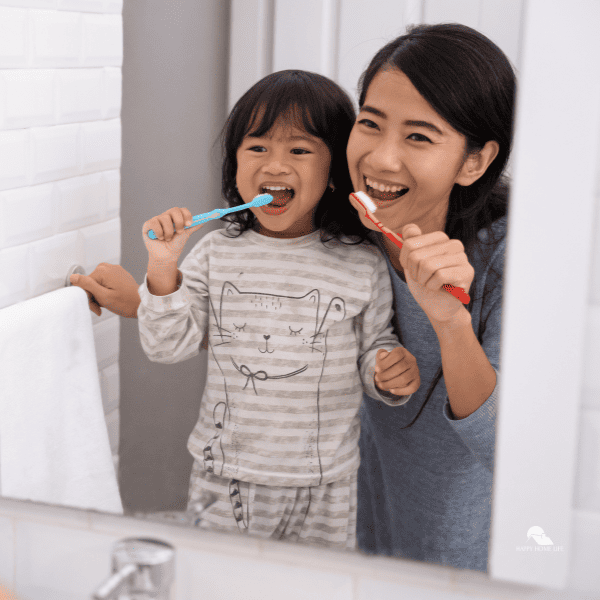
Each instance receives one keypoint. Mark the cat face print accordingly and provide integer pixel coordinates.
(273, 335)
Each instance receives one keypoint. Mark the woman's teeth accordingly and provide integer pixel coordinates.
(384, 192)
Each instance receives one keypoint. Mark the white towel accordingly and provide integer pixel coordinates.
(54, 444)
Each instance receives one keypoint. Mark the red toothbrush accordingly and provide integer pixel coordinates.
(370, 208)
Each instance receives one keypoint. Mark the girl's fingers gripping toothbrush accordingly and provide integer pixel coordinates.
(370, 208)
(260, 200)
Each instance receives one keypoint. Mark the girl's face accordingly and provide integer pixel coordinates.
(286, 157)
(404, 155)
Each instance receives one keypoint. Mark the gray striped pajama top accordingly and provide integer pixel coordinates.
(293, 330)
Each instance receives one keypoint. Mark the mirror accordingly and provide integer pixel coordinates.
(170, 120)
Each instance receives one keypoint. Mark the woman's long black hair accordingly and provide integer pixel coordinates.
(469, 82)
(320, 107)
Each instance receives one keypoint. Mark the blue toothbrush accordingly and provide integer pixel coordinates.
(259, 200)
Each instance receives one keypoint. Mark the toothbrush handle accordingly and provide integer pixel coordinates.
(457, 292)
(197, 220)
(209, 216)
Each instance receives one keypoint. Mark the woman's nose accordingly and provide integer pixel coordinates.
(386, 156)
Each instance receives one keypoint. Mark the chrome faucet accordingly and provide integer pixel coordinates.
(143, 569)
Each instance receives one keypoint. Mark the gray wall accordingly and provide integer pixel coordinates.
(174, 105)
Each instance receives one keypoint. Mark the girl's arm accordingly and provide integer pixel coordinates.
(172, 316)
(374, 333)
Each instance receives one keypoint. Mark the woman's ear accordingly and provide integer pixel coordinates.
(476, 164)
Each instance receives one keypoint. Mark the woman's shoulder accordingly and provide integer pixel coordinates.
(488, 254)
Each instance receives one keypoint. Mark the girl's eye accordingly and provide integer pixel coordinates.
(419, 137)
(368, 123)
(301, 151)
(256, 148)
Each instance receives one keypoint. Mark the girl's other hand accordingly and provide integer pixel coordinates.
(397, 371)
(171, 235)
(429, 261)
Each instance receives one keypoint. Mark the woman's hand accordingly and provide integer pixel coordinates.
(111, 287)
(429, 261)
(397, 371)
(171, 235)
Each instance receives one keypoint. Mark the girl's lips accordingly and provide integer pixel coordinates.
(275, 209)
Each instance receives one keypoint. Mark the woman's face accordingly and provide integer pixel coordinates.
(404, 155)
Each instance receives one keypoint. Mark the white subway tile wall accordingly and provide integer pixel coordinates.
(60, 158)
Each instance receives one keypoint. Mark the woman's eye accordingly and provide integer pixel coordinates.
(368, 123)
(419, 137)
(301, 151)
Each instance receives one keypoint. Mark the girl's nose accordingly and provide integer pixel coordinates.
(276, 167)
(277, 164)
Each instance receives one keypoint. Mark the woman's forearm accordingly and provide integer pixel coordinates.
(469, 376)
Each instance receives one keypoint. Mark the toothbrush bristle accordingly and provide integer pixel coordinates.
(262, 199)
(366, 201)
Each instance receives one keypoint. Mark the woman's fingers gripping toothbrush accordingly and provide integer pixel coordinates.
(370, 208)
(396, 371)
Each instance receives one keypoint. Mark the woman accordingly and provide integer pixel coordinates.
(430, 145)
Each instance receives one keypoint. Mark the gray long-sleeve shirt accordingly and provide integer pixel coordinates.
(425, 492)
(293, 329)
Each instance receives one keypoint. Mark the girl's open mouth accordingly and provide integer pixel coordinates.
(281, 199)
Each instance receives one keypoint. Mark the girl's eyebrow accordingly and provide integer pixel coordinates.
(293, 138)
(408, 123)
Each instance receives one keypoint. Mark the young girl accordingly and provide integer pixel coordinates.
(297, 320)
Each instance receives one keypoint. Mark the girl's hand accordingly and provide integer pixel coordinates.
(169, 229)
(429, 261)
(397, 371)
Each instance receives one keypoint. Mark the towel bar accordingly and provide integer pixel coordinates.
(74, 269)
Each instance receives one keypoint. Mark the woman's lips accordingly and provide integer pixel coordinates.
(383, 199)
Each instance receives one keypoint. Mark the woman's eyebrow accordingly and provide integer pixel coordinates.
(409, 123)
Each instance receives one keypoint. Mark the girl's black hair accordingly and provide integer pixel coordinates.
(470, 83)
(320, 107)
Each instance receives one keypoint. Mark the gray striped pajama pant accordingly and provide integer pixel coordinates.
(323, 515)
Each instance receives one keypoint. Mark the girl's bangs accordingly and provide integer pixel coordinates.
(293, 110)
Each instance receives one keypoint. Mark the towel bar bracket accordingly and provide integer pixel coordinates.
(74, 269)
